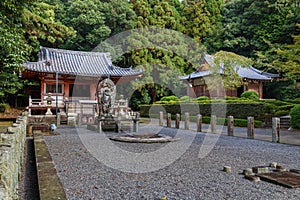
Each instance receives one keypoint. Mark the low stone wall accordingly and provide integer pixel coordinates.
(11, 157)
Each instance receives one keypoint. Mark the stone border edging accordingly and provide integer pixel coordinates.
(50, 186)
(161, 139)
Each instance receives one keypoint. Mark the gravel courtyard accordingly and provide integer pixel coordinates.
(85, 176)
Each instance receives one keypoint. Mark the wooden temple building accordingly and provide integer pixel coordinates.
(253, 81)
(70, 77)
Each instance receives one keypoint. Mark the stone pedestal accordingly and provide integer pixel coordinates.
(49, 110)
(72, 118)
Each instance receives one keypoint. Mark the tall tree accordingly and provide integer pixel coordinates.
(42, 27)
(161, 54)
(118, 16)
(288, 62)
(88, 19)
(251, 27)
(228, 63)
(201, 17)
(13, 47)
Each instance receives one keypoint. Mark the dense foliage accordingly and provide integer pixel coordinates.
(266, 31)
(13, 47)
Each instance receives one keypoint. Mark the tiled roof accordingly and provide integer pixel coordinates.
(78, 63)
(244, 72)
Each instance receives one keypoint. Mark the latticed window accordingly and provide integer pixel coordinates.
(51, 88)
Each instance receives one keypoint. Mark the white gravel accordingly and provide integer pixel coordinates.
(189, 177)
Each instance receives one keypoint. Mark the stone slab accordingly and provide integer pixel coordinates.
(286, 179)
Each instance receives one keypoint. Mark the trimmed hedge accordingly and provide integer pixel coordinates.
(295, 116)
(220, 121)
(238, 110)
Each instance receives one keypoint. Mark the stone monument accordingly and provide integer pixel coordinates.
(106, 93)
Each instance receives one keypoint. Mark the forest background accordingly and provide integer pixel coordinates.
(267, 32)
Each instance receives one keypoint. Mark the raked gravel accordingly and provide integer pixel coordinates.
(189, 177)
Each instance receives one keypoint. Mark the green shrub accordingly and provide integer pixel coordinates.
(250, 95)
(202, 98)
(282, 113)
(231, 98)
(184, 98)
(295, 116)
(169, 98)
(295, 101)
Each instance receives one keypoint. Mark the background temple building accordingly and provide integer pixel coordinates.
(253, 81)
(76, 75)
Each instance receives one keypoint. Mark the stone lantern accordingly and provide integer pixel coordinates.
(49, 100)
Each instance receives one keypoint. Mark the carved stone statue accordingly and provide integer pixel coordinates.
(106, 92)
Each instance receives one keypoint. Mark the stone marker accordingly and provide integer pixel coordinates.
(227, 169)
(250, 128)
(58, 120)
(136, 122)
(273, 164)
(177, 121)
(276, 129)
(213, 123)
(161, 118)
(199, 123)
(230, 125)
(260, 169)
(248, 171)
(186, 121)
(169, 120)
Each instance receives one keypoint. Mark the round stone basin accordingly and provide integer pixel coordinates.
(143, 138)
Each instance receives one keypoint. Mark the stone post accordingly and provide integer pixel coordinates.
(275, 129)
(177, 121)
(250, 128)
(186, 121)
(199, 123)
(213, 123)
(58, 120)
(161, 118)
(119, 123)
(99, 125)
(136, 122)
(169, 120)
(79, 119)
(230, 125)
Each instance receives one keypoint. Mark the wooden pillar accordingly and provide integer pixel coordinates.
(199, 123)
(177, 121)
(213, 123)
(169, 120)
(93, 91)
(260, 90)
(186, 121)
(250, 128)
(275, 129)
(66, 90)
(230, 125)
